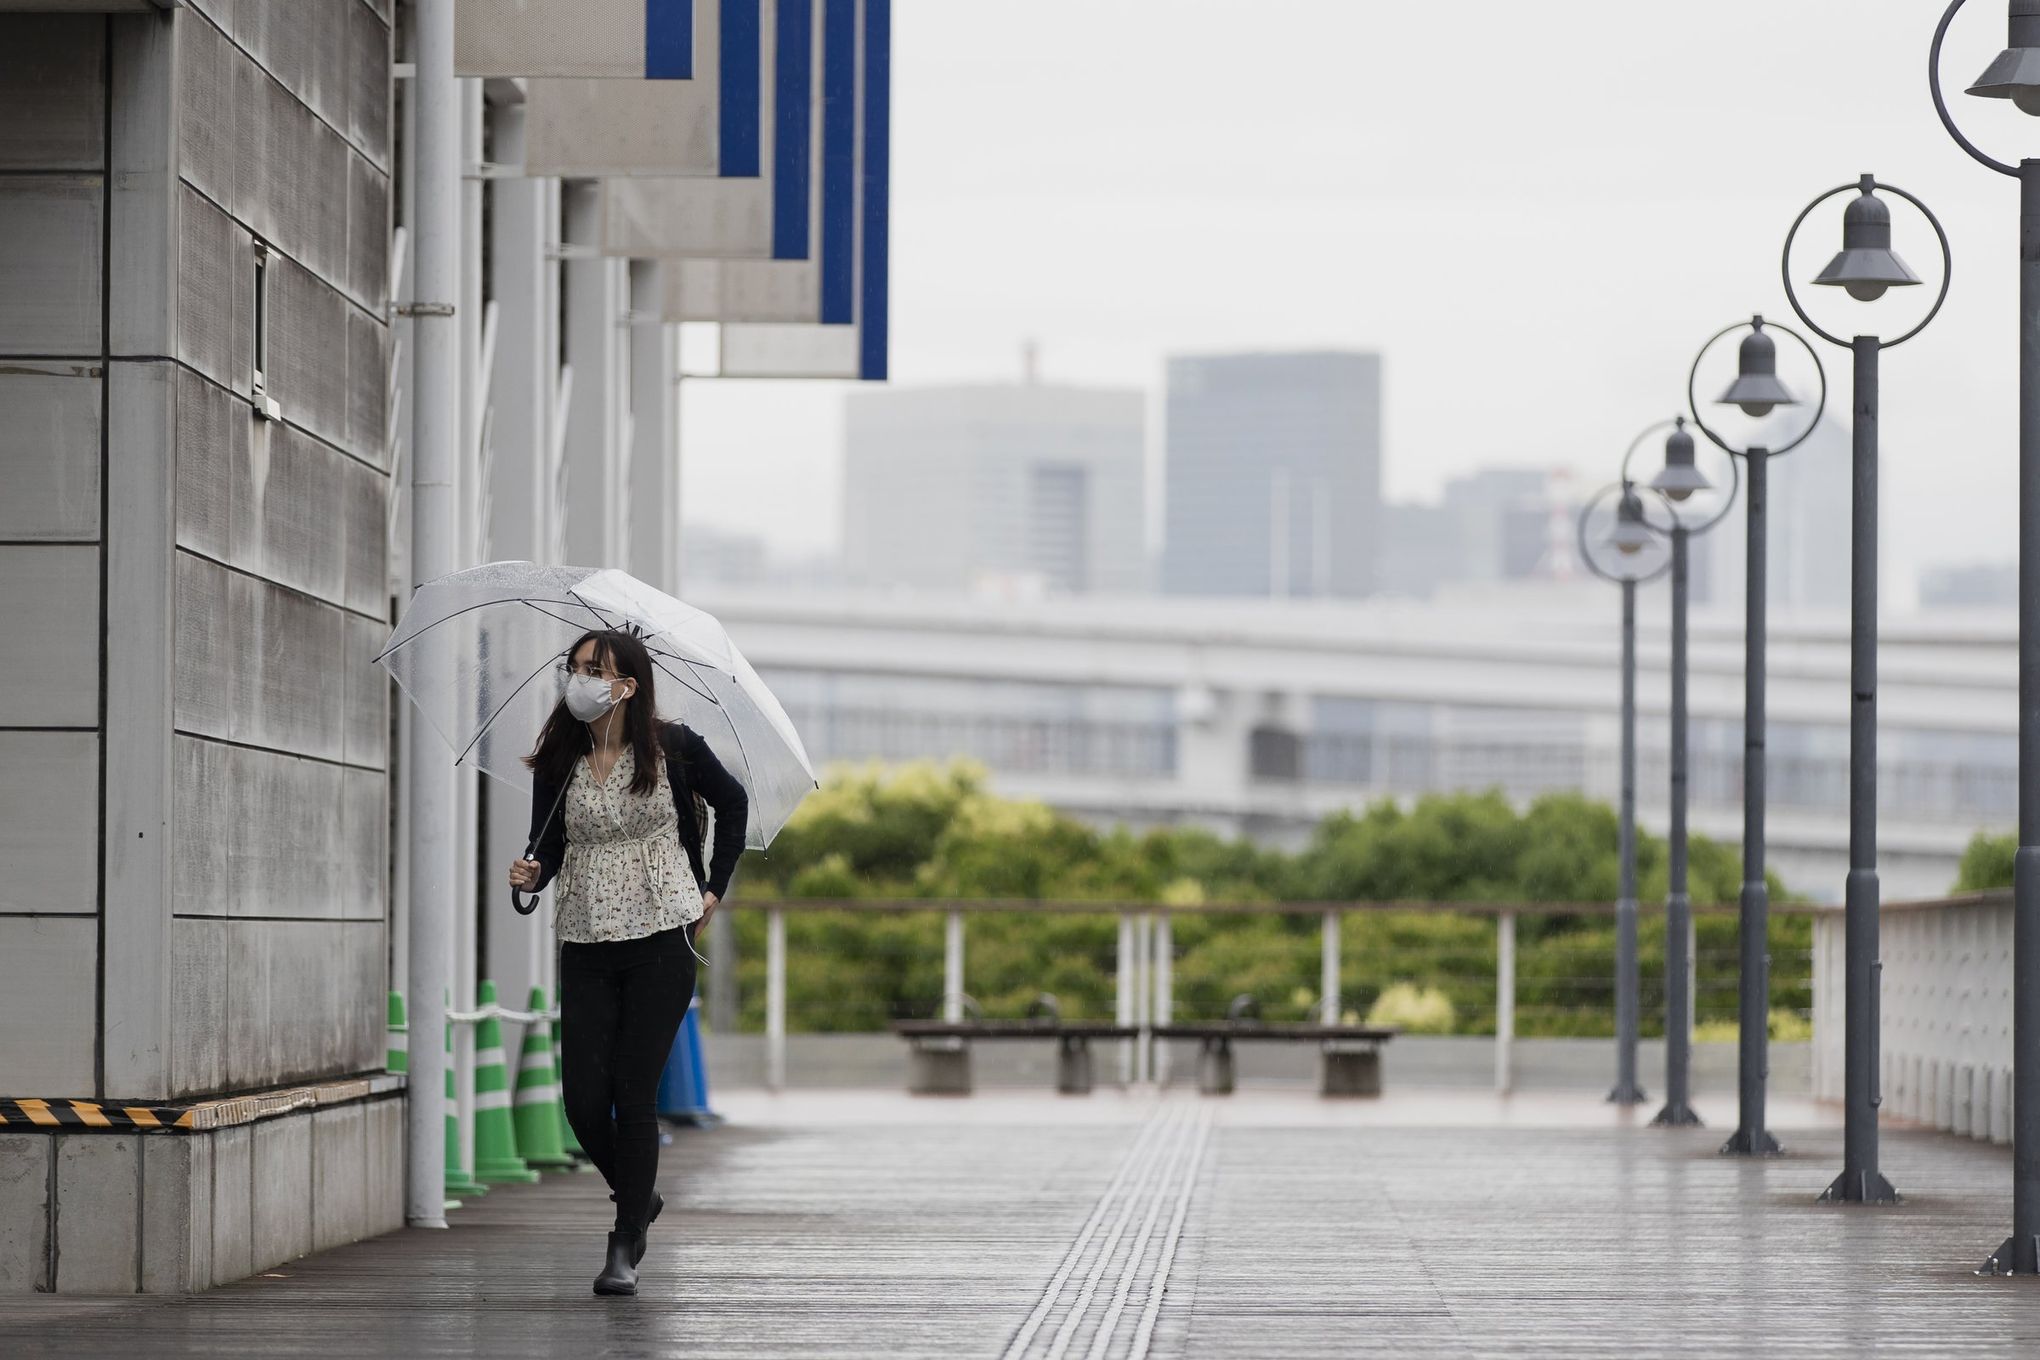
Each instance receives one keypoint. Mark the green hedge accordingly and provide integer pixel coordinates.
(922, 831)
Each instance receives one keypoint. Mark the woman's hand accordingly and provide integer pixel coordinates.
(709, 902)
(523, 874)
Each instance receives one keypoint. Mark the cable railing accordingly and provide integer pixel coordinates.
(1501, 971)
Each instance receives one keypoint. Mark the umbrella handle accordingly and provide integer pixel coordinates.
(517, 899)
(517, 902)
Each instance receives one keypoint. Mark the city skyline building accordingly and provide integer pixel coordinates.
(1031, 487)
(1490, 525)
(1272, 475)
(1810, 551)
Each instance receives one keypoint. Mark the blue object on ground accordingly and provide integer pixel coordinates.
(683, 1087)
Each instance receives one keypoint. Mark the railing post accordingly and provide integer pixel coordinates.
(952, 968)
(775, 999)
(1143, 959)
(1328, 969)
(1123, 1008)
(1505, 1002)
(1165, 987)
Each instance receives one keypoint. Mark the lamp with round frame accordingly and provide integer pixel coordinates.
(1757, 379)
(1636, 552)
(2016, 75)
(1681, 522)
(1865, 266)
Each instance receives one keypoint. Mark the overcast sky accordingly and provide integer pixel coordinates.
(1535, 212)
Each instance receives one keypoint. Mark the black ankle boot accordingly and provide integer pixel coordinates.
(637, 1251)
(619, 1272)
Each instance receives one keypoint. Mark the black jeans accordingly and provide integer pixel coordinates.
(621, 1003)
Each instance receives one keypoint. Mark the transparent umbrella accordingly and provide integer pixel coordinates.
(479, 651)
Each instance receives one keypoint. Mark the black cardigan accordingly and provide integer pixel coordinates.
(691, 768)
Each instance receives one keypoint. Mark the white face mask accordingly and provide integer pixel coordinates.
(589, 697)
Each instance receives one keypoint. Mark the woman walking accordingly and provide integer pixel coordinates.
(617, 797)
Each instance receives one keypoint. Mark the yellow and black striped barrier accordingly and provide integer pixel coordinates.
(24, 1114)
(87, 1114)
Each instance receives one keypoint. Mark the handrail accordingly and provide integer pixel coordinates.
(1107, 908)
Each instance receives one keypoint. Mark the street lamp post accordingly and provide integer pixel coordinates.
(1633, 565)
(1757, 392)
(2015, 75)
(1866, 268)
(1677, 482)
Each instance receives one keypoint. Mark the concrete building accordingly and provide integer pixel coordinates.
(1273, 479)
(1810, 545)
(1259, 718)
(1034, 487)
(1496, 524)
(194, 257)
(1982, 585)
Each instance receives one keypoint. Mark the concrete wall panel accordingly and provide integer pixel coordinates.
(215, 293)
(368, 233)
(293, 179)
(305, 999)
(49, 451)
(198, 1006)
(98, 1198)
(262, 833)
(176, 1214)
(365, 823)
(339, 1176)
(49, 969)
(385, 1207)
(143, 214)
(49, 822)
(282, 1176)
(51, 228)
(364, 510)
(273, 501)
(305, 46)
(25, 1212)
(368, 694)
(52, 92)
(367, 389)
(211, 457)
(368, 89)
(309, 352)
(233, 1215)
(52, 597)
(205, 91)
(257, 664)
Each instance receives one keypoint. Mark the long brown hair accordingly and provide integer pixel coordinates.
(564, 738)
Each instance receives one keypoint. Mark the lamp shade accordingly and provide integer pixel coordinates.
(1756, 388)
(1630, 534)
(1866, 265)
(2015, 75)
(1680, 478)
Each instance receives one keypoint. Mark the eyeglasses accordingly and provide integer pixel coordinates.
(568, 669)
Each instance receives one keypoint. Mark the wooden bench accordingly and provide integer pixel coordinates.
(939, 1050)
(1350, 1066)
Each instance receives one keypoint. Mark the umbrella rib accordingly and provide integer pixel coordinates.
(511, 698)
(468, 609)
(736, 736)
(582, 600)
(682, 680)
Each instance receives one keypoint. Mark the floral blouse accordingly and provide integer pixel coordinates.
(624, 875)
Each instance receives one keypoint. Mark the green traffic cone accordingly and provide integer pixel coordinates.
(535, 1106)
(496, 1159)
(400, 1037)
(568, 1142)
(457, 1179)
